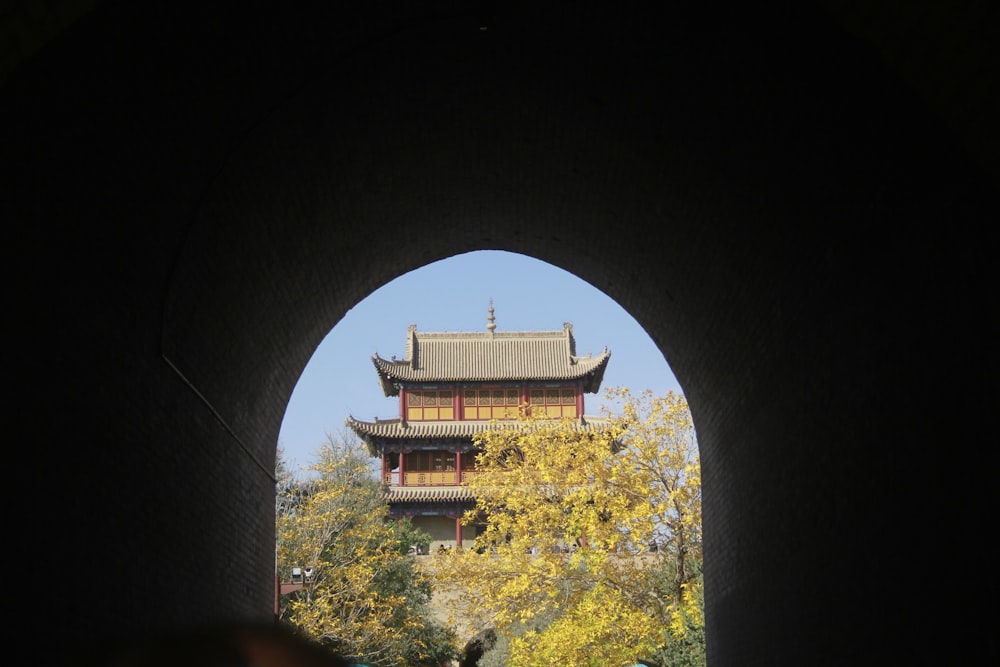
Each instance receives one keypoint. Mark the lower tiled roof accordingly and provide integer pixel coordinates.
(398, 429)
(399, 494)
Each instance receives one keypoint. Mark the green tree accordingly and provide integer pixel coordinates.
(687, 647)
(365, 597)
(660, 455)
(591, 549)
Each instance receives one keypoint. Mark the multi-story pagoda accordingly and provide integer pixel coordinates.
(450, 387)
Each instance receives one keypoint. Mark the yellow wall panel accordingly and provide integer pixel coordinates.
(430, 413)
(447, 413)
(415, 414)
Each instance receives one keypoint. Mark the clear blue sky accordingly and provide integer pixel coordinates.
(454, 295)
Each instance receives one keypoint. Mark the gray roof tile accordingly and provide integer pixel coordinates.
(398, 429)
(491, 356)
(409, 494)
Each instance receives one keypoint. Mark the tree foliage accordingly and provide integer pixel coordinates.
(590, 548)
(365, 597)
(684, 648)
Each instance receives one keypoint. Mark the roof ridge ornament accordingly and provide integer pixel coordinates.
(491, 320)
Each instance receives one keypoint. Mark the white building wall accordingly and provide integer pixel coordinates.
(442, 532)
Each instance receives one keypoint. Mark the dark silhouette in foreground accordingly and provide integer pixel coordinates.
(228, 646)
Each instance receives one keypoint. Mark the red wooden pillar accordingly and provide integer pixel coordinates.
(458, 467)
(402, 482)
(458, 533)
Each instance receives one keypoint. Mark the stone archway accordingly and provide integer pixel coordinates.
(198, 195)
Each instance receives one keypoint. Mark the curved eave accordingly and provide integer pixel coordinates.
(595, 375)
(590, 370)
(386, 374)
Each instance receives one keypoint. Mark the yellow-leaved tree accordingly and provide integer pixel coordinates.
(363, 596)
(589, 549)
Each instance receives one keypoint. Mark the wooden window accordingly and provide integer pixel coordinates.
(430, 468)
(430, 405)
(470, 403)
(552, 408)
(491, 403)
(555, 403)
(438, 461)
(469, 460)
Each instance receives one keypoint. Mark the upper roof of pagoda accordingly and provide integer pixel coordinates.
(491, 356)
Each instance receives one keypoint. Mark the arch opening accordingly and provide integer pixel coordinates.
(795, 227)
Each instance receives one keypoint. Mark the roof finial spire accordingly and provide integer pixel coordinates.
(492, 320)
